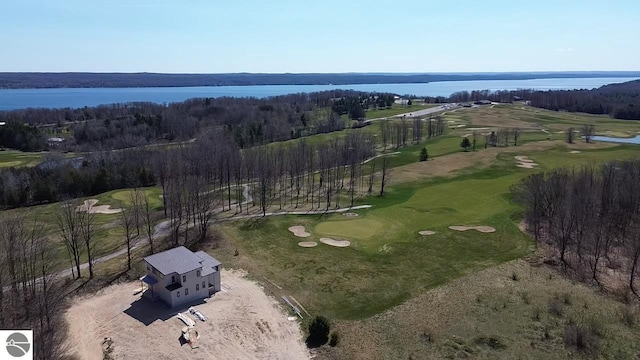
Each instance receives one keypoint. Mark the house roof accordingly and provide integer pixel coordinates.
(208, 263)
(177, 260)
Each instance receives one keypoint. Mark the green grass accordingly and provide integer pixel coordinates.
(9, 158)
(388, 261)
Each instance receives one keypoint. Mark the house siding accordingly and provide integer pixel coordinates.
(212, 285)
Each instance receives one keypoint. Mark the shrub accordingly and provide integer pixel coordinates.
(514, 276)
(333, 341)
(537, 312)
(318, 332)
(628, 316)
(556, 307)
(581, 337)
(491, 341)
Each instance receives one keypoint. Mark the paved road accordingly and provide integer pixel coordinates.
(423, 112)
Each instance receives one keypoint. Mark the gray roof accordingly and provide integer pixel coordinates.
(208, 263)
(177, 260)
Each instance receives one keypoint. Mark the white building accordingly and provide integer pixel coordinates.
(178, 276)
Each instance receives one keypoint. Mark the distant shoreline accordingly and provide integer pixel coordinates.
(81, 80)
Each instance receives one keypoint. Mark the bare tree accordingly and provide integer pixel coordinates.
(474, 139)
(570, 135)
(127, 221)
(148, 222)
(68, 222)
(587, 132)
(516, 136)
(87, 223)
(384, 178)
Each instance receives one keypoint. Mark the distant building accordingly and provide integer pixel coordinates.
(2, 123)
(55, 140)
(483, 102)
(178, 276)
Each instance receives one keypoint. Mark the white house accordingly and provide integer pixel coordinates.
(178, 276)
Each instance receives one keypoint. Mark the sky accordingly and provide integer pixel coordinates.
(300, 36)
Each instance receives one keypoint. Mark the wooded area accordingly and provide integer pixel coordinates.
(30, 296)
(589, 217)
(620, 101)
(17, 80)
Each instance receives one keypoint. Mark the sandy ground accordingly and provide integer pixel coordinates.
(243, 323)
(574, 152)
(299, 231)
(90, 206)
(426, 232)
(308, 244)
(482, 229)
(350, 214)
(333, 242)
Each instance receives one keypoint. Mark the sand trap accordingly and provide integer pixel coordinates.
(426, 232)
(333, 242)
(461, 125)
(466, 135)
(350, 214)
(525, 162)
(308, 244)
(482, 229)
(523, 159)
(574, 152)
(299, 231)
(527, 165)
(89, 206)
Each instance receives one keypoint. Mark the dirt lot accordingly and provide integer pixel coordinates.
(243, 323)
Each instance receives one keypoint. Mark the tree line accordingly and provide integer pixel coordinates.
(30, 296)
(620, 101)
(589, 218)
(23, 80)
(250, 121)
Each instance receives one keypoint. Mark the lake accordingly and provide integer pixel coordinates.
(75, 98)
(633, 140)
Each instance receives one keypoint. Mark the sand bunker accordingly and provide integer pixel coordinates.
(426, 232)
(350, 214)
(308, 244)
(525, 162)
(89, 206)
(333, 242)
(523, 159)
(299, 231)
(482, 229)
(574, 152)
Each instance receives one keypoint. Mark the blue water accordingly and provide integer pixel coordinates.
(633, 140)
(76, 98)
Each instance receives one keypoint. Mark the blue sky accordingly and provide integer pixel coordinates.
(194, 36)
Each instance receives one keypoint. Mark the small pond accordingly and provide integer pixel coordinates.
(633, 140)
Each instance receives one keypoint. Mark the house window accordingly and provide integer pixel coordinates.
(173, 279)
(178, 293)
(184, 278)
(186, 291)
(203, 284)
(198, 273)
(197, 287)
